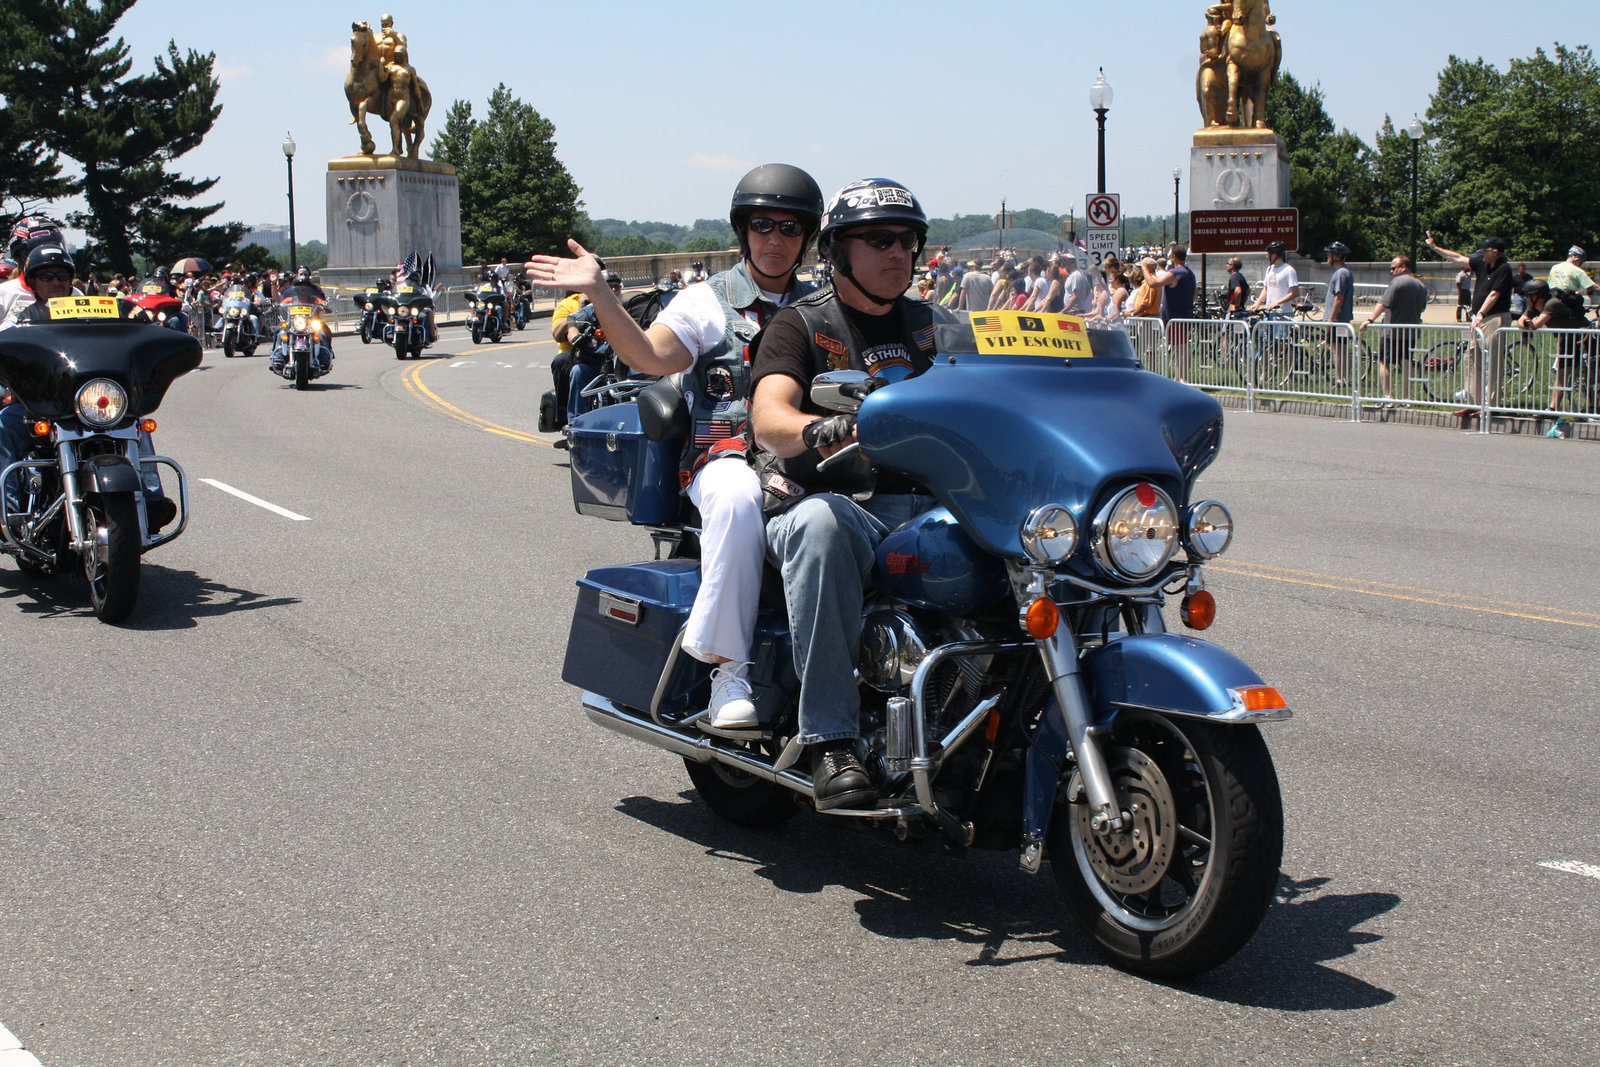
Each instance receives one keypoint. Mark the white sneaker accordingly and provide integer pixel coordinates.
(731, 706)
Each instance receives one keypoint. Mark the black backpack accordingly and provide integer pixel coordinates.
(645, 306)
(1574, 301)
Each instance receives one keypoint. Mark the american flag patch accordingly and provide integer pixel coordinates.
(709, 433)
(924, 338)
(985, 324)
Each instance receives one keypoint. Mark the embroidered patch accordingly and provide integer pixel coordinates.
(782, 486)
(829, 345)
(924, 338)
(719, 383)
(710, 432)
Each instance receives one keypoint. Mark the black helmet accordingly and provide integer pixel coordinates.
(1278, 248)
(866, 201)
(32, 231)
(1536, 287)
(1338, 248)
(45, 256)
(611, 277)
(252, 279)
(871, 200)
(777, 187)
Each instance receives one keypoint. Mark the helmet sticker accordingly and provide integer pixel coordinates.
(895, 196)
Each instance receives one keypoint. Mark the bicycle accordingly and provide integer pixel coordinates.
(1295, 358)
(1437, 374)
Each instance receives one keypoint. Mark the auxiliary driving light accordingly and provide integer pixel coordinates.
(1208, 529)
(1049, 534)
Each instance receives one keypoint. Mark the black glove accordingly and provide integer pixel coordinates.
(833, 430)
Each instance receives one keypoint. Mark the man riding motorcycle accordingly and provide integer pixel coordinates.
(302, 290)
(872, 233)
(34, 231)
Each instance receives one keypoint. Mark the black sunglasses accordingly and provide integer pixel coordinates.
(788, 227)
(883, 240)
(52, 275)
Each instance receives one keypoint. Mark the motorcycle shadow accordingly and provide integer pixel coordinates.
(981, 900)
(168, 599)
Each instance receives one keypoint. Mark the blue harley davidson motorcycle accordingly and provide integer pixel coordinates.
(1020, 689)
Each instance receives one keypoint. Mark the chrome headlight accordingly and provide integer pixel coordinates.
(1049, 534)
(1208, 529)
(102, 402)
(370, 305)
(316, 324)
(1136, 533)
(233, 313)
(301, 323)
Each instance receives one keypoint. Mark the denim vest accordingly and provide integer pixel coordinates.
(717, 389)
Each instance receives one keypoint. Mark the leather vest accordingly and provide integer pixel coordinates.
(834, 339)
(717, 389)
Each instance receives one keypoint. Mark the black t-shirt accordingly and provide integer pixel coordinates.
(1238, 291)
(785, 348)
(1492, 279)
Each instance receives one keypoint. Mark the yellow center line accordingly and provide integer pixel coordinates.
(412, 377)
(1436, 598)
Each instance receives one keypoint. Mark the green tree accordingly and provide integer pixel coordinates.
(1329, 180)
(123, 130)
(517, 198)
(1515, 153)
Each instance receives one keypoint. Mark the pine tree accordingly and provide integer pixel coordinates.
(517, 199)
(123, 131)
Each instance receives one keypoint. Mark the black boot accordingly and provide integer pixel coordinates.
(837, 778)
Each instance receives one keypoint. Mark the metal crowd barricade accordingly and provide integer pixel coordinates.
(1213, 354)
(1420, 366)
(1305, 359)
(1544, 372)
(1149, 342)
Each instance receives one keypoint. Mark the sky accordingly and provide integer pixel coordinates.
(965, 101)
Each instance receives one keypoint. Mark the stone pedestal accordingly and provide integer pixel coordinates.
(1234, 170)
(379, 209)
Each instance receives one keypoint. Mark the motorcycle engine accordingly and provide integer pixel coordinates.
(895, 641)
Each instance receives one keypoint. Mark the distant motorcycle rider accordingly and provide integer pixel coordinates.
(704, 331)
(29, 233)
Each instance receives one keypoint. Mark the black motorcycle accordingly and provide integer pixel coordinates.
(409, 322)
(371, 306)
(488, 318)
(522, 307)
(86, 492)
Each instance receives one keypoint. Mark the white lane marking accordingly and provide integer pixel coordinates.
(461, 363)
(1588, 870)
(12, 1054)
(257, 501)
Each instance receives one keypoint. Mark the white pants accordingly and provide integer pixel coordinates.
(733, 547)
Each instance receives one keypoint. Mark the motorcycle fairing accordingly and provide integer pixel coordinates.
(1059, 433)
(45, 365)
(1169, 673)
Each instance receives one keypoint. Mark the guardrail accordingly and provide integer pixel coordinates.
(1541, 374)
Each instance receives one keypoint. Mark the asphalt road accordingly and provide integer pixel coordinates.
(326, 800)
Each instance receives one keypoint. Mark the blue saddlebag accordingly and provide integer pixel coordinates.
(618, 473)
(623, 630)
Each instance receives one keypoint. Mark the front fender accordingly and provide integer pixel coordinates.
(108, 474)
(1175, 675)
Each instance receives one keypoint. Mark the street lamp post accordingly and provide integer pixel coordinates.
(1414, 131)
(288, 158)
(1177, 175)
(1100, 101)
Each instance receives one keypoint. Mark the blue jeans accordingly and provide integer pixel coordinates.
(824, 547)
(13, 446)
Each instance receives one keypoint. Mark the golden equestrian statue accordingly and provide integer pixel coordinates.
(1239, 57)
(382, 82)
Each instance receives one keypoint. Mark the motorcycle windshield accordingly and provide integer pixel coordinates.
(1019, 411)
(46, 365)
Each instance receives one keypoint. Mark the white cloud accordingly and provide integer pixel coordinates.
(721, 163)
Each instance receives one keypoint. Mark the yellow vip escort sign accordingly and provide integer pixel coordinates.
(84, 307)
(1026, 333)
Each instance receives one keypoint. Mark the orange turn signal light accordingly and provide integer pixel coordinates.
(148, 426)
(41, 428)
(1199, 610)
(1042, 618)
(1261, 698)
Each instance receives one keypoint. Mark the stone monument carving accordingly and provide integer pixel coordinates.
(1237, 161)
(382, 207)
(382, 82)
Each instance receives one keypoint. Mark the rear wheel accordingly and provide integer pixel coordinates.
(111, 563)
(1184, 887)
(739, 797)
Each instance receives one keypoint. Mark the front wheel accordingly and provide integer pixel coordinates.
(111, 563)
(739, 797)
(227, 344)
(302, 370)
(477, 332)
(1187, 883)
(366, 331)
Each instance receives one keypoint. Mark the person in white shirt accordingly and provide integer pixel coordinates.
(1280, 285)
